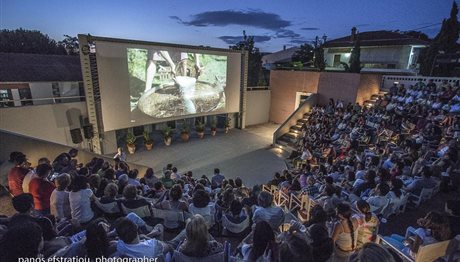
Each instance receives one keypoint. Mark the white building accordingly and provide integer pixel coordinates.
(269, 61)
(381, 51)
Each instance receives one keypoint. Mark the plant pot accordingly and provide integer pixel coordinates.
(200, 134)
(131, 148)
(148, 146)
(226, 129)
(168, 141)
(185, 136)
(213, 132)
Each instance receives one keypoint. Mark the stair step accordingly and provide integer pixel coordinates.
(296, 127)
(302, 121)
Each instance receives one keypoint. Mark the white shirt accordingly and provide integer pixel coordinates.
(80, 205)
(148, 248)
(25, 183)
(60, 205)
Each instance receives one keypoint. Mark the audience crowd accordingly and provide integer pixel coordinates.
(359, 165)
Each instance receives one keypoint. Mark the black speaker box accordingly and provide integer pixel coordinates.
(88, 131)
(76, 135)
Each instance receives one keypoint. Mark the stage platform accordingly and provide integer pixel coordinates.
(245, 153)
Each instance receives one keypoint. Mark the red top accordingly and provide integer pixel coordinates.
(15, 178)
(41, 190)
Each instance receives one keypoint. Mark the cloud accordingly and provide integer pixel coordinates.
(298, 41)
(231, 40)
(255, 18)
(309, 28)
(286, 33)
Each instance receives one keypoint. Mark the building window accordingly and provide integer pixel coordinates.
(6, 98)
(25, 96)
(56, 92)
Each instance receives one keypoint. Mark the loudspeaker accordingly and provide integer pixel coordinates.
(88, 131)
(76, 135)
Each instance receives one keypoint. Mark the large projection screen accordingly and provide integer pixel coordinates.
(143, 84)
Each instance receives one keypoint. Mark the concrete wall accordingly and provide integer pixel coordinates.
(48, 122)
(284, 85)
(341, 86)
(369, 85)
(257, 107)
(34, 149)
(337, 85)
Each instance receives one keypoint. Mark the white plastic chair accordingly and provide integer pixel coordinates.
(425, 194)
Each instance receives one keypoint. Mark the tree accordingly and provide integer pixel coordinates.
(71, 45)
(418, 35)
(255, 71)
(318, 59)
(304, 55)
(29, 41)
(445, 41)
(355, 62)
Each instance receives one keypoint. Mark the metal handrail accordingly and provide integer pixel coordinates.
(310, 101)
(41, 99)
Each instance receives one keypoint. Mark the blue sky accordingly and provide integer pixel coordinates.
(219, 23)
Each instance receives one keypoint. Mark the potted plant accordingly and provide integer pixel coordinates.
(227, 124)
(184, 133)
(148, 141)
(199, 127)
(213, 128)
(167, 135)
(130, 142)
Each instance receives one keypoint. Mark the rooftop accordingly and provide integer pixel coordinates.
(376, 38)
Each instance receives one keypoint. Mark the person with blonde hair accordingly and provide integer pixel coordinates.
(198, 242)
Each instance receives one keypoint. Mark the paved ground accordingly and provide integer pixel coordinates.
(244, 153)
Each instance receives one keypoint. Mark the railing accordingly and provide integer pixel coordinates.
(304, 108)
(49, 100)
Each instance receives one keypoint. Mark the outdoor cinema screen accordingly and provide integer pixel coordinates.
(144, 84)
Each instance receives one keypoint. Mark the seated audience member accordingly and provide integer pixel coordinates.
(166, 180)
(5, 168)
(368, 184)
(235, 220)
(80, 199)
(452, 208)
(217, 178)
(22, 241)
(330, 201)
(253, 196)
(133, 203)
(434, 227)
(320, 242)
(59, 200)
(420, 183)
(261, 241)
(149, 178)
(198, 242)
(294, 247)
(16, 175)
(108, 203)
(202, 205)
(368, 223)
(345, 233)
(273, 215)
(130, 244)
(32, 174)
(24, 205)
(94, 245)
(396, 193)
(132, 178)
(122, 183)
(174, 201)
(311, 188)
(371, 252)
(41, 189)
(379, 201)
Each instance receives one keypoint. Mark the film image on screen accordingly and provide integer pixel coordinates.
(173, 83)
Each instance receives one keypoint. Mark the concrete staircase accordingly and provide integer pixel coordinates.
(287, 140)
(374, 98)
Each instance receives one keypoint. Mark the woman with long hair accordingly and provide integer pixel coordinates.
(198, 242)
(368, 223)
(263, 240)
(345, 233)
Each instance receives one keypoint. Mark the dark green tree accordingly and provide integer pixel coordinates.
(445, 41)
(304, 55)
(318, 60)
(71, 45)
(255, 70)
(355, 61)
(29, 41)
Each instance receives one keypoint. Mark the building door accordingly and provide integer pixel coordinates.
(336, 60)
